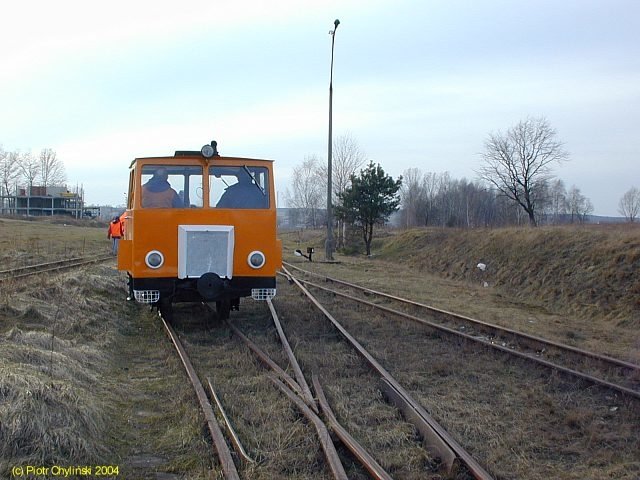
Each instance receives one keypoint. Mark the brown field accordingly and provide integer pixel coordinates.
(47, 239)
(87, 377)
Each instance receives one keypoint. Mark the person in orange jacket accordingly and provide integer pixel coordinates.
(115, 232)
(157, 192)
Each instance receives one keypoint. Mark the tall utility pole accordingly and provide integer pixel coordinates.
(328, 247)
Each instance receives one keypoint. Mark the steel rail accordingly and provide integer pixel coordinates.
(293, 361)
(510, 351)
(358, 451)
(544, 341)
(446, 441)
(264, 358)
(67, 265)
(220, 445)
(447, 457)
(335, 465)
(233, 436)
(19, 270)
(365, 459)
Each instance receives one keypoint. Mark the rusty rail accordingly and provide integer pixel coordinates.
(293, 361)
(429, 436)
(37, 269)
(446, 441)
(366, 460)
(264, 358)
(522, 335)
(575, 373)
(224, 454)
(358, 451)
(335, 465)
(233, 436)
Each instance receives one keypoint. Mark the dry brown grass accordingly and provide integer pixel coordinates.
(45, 421)
(518, 420)
(579, 270)
(50, 394)
(24, 242)
(119, 393)
(86, 378)
(521, 421)
(438, 267)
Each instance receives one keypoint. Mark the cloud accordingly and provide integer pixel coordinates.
(417, 84)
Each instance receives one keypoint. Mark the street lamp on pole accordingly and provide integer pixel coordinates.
(329, 241)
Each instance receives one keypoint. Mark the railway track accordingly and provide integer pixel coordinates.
(612, 373)
(447, 456)
(50, 267)
(280, 379)
(440, 443)
(471, 402)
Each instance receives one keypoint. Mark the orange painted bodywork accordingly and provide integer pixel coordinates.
(149, 229)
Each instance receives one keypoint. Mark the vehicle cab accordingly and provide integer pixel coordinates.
(200, 226)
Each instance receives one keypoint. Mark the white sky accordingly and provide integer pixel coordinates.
(417, 83)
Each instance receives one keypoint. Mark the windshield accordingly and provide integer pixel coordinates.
(171, 186)
(238, 187)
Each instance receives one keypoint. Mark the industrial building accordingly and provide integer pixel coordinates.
(43, 201)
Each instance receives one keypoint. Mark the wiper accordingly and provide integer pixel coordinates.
(255, 182)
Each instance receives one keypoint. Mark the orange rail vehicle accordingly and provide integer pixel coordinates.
(200, 227)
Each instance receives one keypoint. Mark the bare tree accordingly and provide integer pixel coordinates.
(517, 161)
(51, 169)
(29, 168)
(412, 196)
(8, 175)
(557, 200)
(307, 189)
(347, 158)
(629, 205)
(431, 184)
(579, 205)
(8, 170)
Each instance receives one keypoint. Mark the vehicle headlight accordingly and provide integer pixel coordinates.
(154, 259)
(256, 259)
(207, 151)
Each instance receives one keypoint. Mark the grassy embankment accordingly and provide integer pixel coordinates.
(85, 377)
(577, 285)
(586, 270)
(590, 271)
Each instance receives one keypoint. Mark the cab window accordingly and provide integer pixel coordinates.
(171, 186)
(130, 197)
(238, 187)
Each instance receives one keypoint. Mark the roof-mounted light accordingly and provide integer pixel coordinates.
(210, 150)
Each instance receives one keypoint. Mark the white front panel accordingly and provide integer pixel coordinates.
(203, 249)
